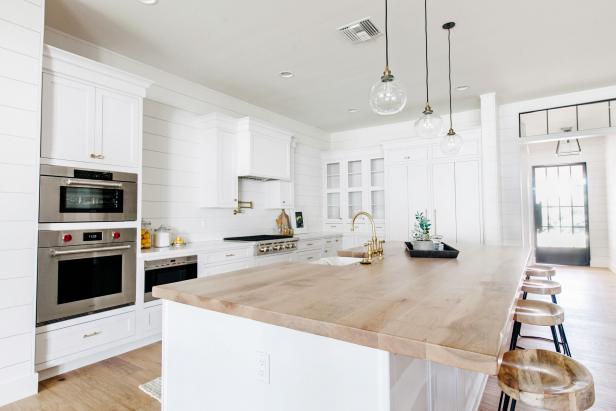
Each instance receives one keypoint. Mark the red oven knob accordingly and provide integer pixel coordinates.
(115, 235)
(67, 237)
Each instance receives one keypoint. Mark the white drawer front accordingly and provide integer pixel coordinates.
(410, 154)
(329, 252)
(225, 268)
(71, 340)
(229, 255)
(309, 244)
(154, 319)
(335, 227)
(307, 256)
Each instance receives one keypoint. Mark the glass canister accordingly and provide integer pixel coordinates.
(146, 235)
(162, 237)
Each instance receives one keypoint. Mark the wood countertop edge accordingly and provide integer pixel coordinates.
(423, 350)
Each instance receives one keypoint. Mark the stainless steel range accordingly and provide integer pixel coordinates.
(269, 244)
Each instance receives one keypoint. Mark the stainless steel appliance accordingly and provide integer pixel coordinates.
(78, 195)
(269, 244)
(168, 270)
(84, 271)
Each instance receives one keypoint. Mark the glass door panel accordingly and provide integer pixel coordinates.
(333, 176)
(377, 172)
(333, 205)
(355, 203)
(378, 204)
(561, 214)
(354, 174)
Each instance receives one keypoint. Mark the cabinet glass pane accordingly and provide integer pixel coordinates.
(596, 115)
(377, 172)
(613, 113)
(378, 203)
(355, 203)
(333, 205)
(333, 176)
(533, 124)
(354, 170)
(562, 119)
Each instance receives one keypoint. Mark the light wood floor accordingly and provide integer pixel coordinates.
(589, 299)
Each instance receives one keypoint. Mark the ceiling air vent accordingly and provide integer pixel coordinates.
(360, 31)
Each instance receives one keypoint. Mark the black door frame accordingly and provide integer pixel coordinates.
(562, 255)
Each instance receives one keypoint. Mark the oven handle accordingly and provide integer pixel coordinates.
(55, 253)
(92, 183)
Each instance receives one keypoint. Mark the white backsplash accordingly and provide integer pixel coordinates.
(171, 182)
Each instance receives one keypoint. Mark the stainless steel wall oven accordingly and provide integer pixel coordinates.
(84, 271)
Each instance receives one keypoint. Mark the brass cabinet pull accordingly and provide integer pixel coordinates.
(230, 255)
(92, 334)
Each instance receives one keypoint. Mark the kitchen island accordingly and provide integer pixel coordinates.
(400, 334)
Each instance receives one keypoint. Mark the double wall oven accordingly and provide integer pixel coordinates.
(70, 195)
(84, 271)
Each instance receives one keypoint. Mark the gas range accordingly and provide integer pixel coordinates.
(268, 244)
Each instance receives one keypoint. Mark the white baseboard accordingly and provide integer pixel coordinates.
(14, 390)
(44, 374)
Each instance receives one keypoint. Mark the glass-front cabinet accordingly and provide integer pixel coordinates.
(377, 188)
(333, 174)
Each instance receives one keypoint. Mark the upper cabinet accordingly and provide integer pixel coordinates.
(91, 113)
(264, 152)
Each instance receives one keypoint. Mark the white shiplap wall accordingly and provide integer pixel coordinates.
(21, 26)
(593, 154)
(610, 172)
(513, 163)
(171, 181)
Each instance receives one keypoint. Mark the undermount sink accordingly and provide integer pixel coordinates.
(337, 261)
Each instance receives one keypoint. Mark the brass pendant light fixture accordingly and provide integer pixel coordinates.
(429, 125)
(452, 142)
(387, 96)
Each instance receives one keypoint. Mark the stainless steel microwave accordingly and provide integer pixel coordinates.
(78, 195)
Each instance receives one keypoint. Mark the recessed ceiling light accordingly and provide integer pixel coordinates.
(353, 110)
(286, 74)
(462, 88)
(148, 2)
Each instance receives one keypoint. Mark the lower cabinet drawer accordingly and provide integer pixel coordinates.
(225, 268)
(71, 340)
(309, 244)
(152, 320)
(307, 256)
(228, 256)
(329, 252)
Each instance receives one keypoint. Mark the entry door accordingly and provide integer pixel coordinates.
(561, 214)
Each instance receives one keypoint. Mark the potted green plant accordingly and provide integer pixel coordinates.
(422, 240)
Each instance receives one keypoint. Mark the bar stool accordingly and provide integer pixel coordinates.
(541, 287)
(540, 313)
(546, 380)
(540, 270)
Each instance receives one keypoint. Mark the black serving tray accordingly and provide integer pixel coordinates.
(448, 252)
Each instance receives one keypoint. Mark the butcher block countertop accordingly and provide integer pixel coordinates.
(456, 312)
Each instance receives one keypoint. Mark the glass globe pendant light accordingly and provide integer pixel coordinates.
(429, 124)
(452, 142)
(387, 96)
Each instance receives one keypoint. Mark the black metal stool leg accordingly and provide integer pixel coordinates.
(506, 403)
(554, 299)
(555, 337)
(514, 335)
(500, 401)
(524, 295)
(513, 403)
(563, 337)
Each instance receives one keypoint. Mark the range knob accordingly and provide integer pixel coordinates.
(277, 247)
(67, 237)
(115, 235)
(263, 249)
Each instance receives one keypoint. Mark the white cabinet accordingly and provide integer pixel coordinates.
(448, 191)
(117, 134)
(68, 112)
(444, 200)
(91, 113)
(264, 151)
(219, 181)
(280, 194)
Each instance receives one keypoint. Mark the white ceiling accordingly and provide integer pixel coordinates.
(519, 49)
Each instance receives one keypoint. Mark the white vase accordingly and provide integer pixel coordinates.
(425, 245)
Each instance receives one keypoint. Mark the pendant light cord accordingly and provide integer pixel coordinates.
(386, 38)
(449, 46)
(426, 37)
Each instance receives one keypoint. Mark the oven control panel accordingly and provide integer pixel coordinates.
(82, 237)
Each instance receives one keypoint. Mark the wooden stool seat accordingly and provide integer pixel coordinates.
(537, 270)
(546, 380)
(541, 313)
(542, 287)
